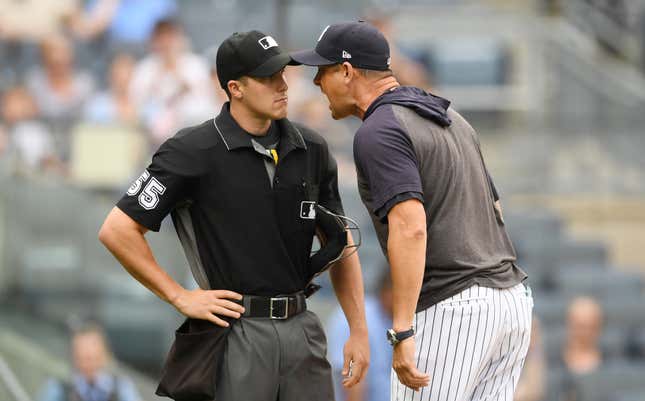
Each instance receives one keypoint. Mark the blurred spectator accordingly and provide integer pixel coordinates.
(378, 313)
(114, 106)
(581, 354)
(171, 86)
(92, 379)
(27, 140)
(35, 20)
(532, 386)
(23, 24)
(407, 70)
(127, 24)
(59, 89)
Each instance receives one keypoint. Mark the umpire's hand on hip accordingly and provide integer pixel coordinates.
(405, 367)
(356, 355)
(207, 304)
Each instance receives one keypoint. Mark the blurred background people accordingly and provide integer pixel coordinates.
(60, 89)
(114, 105)
(125, 25)
(581, 352)
(561, 121)
(27, 140)
(23, 25)
(92, 379)
(171, 86)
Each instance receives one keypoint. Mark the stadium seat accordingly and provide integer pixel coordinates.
(475, 61)
(588, 254)
(611, 380)
(550, 307)
(610, 283)
(628, 313)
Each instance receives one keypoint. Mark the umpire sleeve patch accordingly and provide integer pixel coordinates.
(149, 198)
(138, 183)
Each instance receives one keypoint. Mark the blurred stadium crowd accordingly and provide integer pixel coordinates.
(88, 91)
(123, 66)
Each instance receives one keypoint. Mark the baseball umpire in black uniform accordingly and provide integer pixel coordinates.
(242, 190)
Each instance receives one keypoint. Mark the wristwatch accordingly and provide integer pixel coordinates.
(394, 338)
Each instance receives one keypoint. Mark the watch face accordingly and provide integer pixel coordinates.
(391, 337)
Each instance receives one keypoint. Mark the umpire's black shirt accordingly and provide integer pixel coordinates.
(241, 231)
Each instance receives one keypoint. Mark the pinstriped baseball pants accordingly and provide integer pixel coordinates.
(472, 345)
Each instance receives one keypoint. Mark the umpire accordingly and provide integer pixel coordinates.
(461, 317)
(241, 189)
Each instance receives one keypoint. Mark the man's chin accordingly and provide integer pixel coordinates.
(336, 115)
(279, 115)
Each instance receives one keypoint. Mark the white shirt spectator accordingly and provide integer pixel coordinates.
(55, 105)
(31, 144)
(171, 98)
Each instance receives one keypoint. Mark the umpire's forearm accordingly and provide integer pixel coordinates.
(126, 241)
(406, 248)
(347, 280)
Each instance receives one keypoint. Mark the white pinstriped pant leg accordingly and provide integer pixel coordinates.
(473, 346)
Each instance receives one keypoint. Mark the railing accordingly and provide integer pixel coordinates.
(618, 25)
(10, 384)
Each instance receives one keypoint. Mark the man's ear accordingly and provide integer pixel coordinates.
(348, 71)
(235, 89)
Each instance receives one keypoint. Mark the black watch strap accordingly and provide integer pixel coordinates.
(396, 337)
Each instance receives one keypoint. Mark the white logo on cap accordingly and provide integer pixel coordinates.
(346, 55)
(389, 60)
(267, 42)
(323, 32)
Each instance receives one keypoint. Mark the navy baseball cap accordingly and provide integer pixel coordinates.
(358, 43)
(252, 54)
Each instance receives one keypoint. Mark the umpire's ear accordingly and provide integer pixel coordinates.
(235, 89)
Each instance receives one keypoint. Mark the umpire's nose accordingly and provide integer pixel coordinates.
(282, 83)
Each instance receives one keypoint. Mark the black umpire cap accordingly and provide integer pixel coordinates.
(358, 43)
(252, 54)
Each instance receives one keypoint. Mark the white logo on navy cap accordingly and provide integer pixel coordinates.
(267, 42)
(346, 54)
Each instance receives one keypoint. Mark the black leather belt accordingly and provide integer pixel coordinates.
(278, 307)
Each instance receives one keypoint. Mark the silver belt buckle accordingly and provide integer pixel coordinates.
(286, 308)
